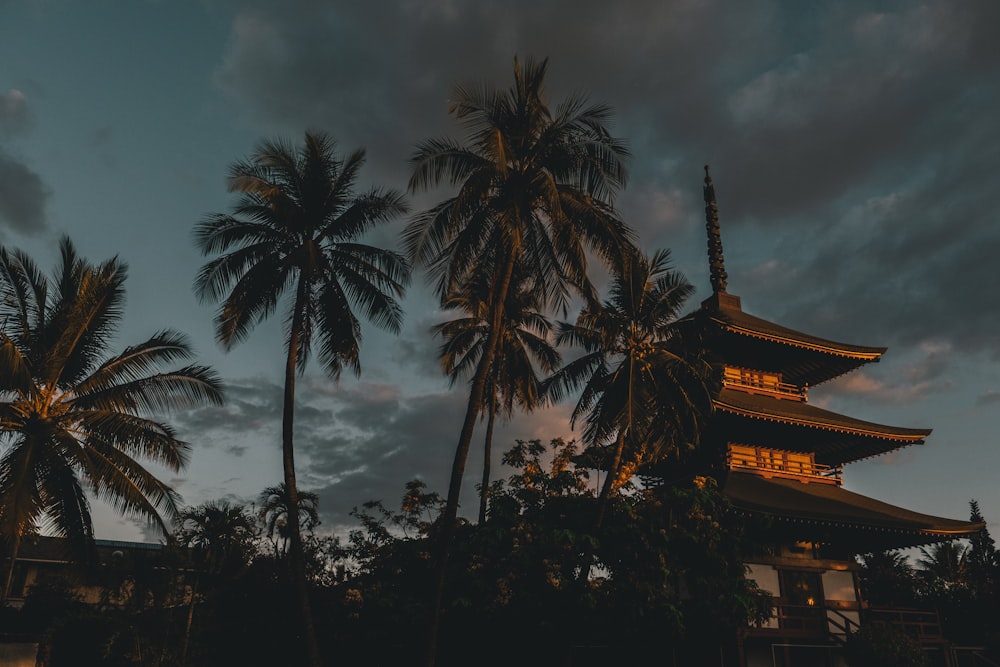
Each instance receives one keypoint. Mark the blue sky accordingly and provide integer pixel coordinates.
(854, 147)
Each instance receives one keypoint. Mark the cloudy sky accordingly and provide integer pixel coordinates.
(854, 146)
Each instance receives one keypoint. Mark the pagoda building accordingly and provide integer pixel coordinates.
(782, 468)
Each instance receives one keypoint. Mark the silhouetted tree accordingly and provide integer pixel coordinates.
(297, 228)
(221, 538)
(982, 560)
(275, 505)
(535, 191)
(944, 564)
(888, 579)
(74, 417)
(645, 388)
(523, 347)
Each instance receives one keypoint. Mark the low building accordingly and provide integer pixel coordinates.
(103, 580)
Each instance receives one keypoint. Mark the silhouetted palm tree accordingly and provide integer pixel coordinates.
(274, 508)
(888, 579)
(524, 346)
(944, 564)
(645, 388)
(221, 539)
(297, 231)
(72, 416)
(535, 189)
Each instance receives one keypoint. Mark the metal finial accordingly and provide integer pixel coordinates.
(716, 262)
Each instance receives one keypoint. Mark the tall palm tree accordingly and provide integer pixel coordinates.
(74, 417)
(644, 386)
(524, 346)
(275, 506)
(296, 231)
(535, 189)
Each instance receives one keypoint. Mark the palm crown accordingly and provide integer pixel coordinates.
(523, 348)
(297, 227)
(524, 344)
(74, 418)
(533, 186)
(645, 386)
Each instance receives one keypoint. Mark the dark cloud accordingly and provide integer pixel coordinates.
(352, 444)
(884, 233)
(22, 196)
(361, 442)
(252, 404)
(855, 153)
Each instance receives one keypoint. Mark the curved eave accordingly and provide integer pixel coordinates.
(784, 336)
(802, 414)
(835, 508)
(802, 358)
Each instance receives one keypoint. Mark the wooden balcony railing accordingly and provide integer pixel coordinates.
(924, 626)
(775, 463)
(827, 622)
(757, 382)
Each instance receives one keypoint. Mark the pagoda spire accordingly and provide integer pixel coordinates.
(716, 262)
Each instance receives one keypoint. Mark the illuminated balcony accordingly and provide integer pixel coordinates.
(777, 463)
(761, 382)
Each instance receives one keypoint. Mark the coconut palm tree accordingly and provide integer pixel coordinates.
(524, 346)
(221, 538)
(75, 418)
(645, 388)
(274, 509)
(887, 579)
(296, 234)
(535, 189)
(944, 564)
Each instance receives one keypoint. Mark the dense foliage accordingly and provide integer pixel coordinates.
(668, 575)
(959, 581)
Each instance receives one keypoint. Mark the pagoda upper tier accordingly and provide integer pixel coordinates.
(769, 369)
(802, 359)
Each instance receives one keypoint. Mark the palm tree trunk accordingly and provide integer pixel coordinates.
(297, 556)
(484, 489)
(475, 405)
(610, 483)
(10, 570)
(190, 619)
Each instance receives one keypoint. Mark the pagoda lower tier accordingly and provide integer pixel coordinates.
(828, 514)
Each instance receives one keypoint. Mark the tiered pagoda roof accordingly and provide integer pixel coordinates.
(797, 426)
(827, 512)
(753, 342)
(763, 404)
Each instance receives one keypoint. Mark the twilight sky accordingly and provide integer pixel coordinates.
(855, 149)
